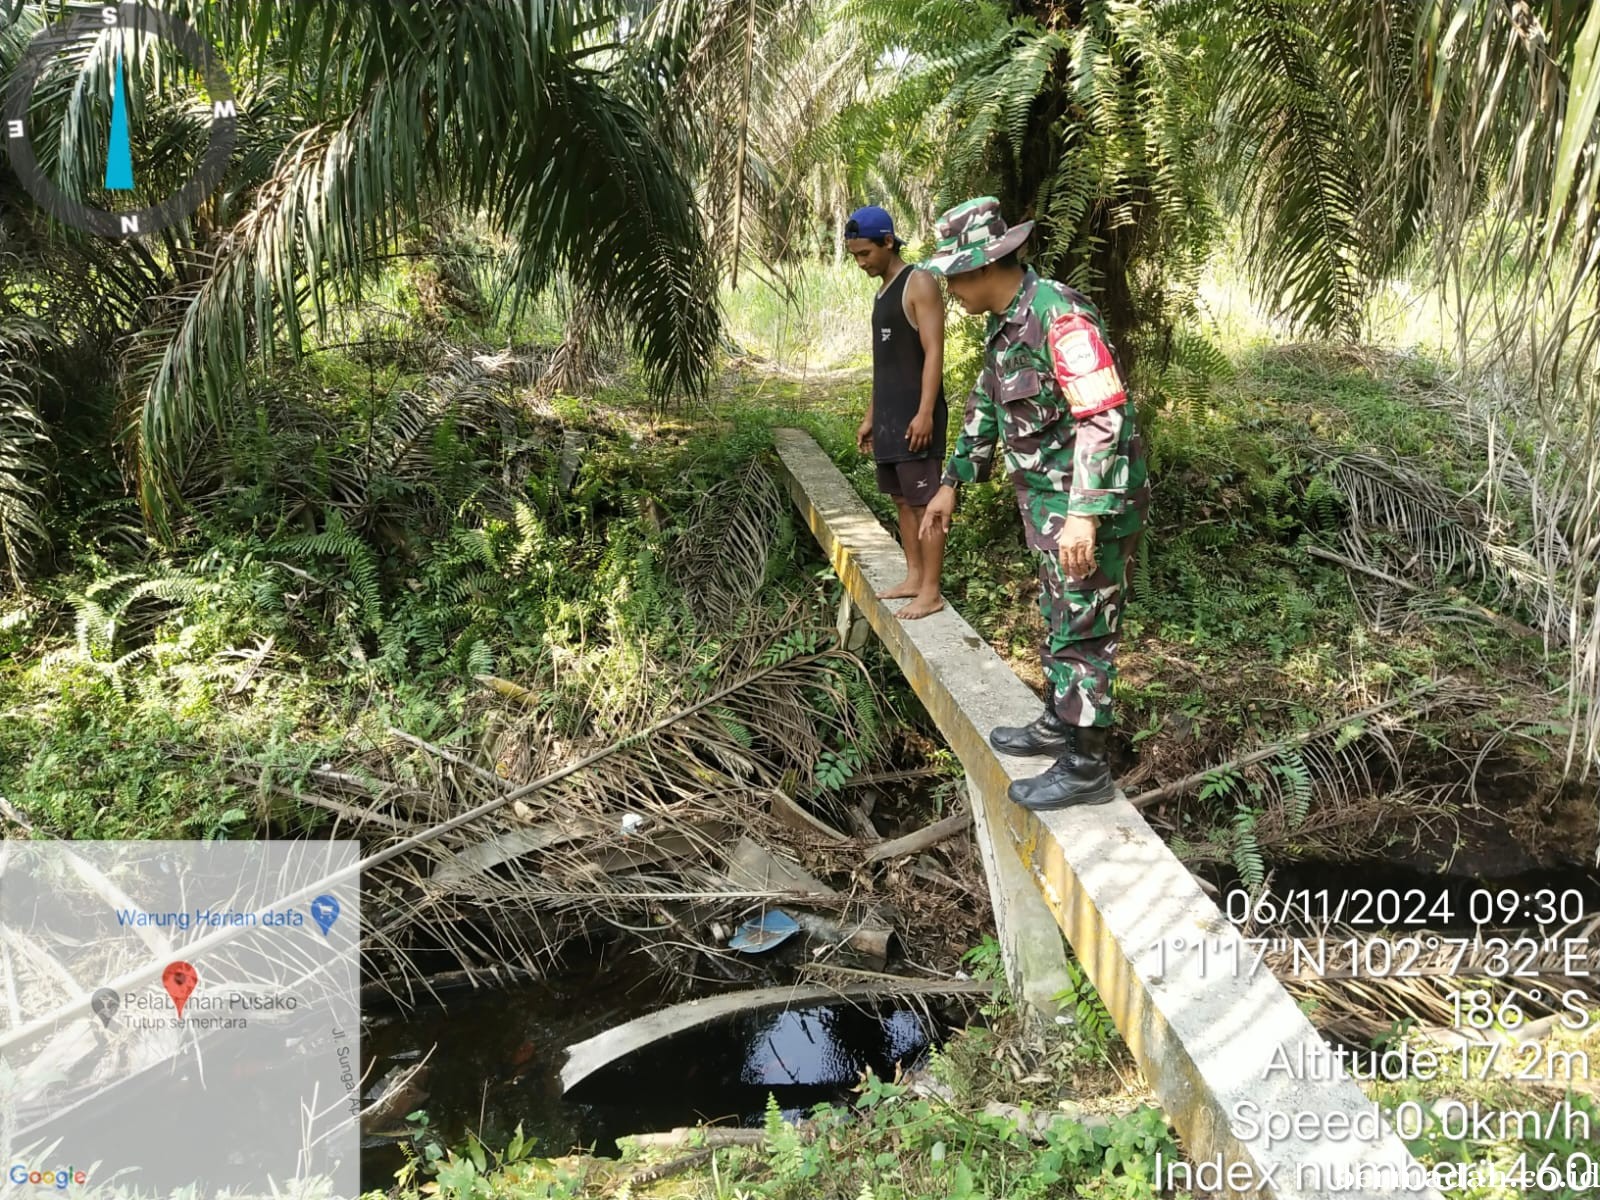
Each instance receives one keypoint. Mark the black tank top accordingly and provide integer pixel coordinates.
(897, 360)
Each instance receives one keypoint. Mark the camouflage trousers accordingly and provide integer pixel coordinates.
(1082, 619)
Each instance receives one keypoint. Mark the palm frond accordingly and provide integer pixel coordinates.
(1287, 130)
(585, 189)
(24, 444)
(720, 557)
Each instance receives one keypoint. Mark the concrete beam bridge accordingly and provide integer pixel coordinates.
(1205, 1035)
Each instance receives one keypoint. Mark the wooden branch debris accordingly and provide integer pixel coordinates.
(396, 1094)
(705, 1140)
(789, 811)
(752, 867)
(712, 1137)
(922, 838)
(454, 760)
(1255, 756)
(891, 982)
(115, 898)
(671, 844)
(146, 971)
(866, 831)
(1479, 610)
(345, 812)
(503, 847)
(12, 815)
(41, 960)
(868, 937)
(892, 777)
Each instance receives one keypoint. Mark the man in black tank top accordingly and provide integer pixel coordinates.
(904, 428)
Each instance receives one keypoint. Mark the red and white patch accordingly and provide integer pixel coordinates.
(1078, 353)
(1083, 366)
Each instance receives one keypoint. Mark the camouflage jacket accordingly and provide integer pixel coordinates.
(1051, 391)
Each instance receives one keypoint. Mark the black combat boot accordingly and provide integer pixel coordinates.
(1082, 775)
(1047, 735)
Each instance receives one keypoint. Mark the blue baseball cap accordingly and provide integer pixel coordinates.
(871, 222)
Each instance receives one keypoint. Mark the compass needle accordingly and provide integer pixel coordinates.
(119, 154)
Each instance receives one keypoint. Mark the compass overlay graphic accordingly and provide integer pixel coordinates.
(88, 27)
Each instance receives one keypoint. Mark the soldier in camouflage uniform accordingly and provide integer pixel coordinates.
(1051, 392)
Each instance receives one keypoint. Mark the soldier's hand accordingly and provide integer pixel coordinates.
(864, 437)
(936, 516)
(1076, 547)
(920, 432)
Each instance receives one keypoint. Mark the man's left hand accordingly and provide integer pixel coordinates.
(1076, 547)
(920, 432)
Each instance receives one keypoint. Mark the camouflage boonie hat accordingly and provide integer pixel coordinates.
(971, 235)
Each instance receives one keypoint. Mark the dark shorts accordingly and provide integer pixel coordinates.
(915, 479)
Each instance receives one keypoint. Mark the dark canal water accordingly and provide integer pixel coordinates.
(496, 1060)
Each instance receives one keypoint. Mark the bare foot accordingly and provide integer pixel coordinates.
(905, 588)
(921, 606)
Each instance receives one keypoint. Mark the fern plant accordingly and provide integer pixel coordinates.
(1245, 851)
(337, 541)
(1294, 776)
(1093, 1020)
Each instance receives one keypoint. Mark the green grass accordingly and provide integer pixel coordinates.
(822, 323)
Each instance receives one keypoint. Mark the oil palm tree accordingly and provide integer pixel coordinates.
(1361, 137)
(1086, 117)
(374, 117)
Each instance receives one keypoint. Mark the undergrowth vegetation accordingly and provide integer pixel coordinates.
(406, 516)
(365, 561)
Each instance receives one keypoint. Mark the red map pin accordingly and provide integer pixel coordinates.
(179, 979)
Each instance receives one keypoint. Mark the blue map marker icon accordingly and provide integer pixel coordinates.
(324, 911)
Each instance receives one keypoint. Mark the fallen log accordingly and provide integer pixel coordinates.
(892, 777)
(514, 843)
(869, 937)
(585, 1058)
(686, 1135)
(862, 823)
(922, 838)
(757, 869)
(788, 810)
(396, 1094)
(643, 851)
(347, 812)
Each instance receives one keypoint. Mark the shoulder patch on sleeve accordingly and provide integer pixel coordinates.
(1083, 365)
